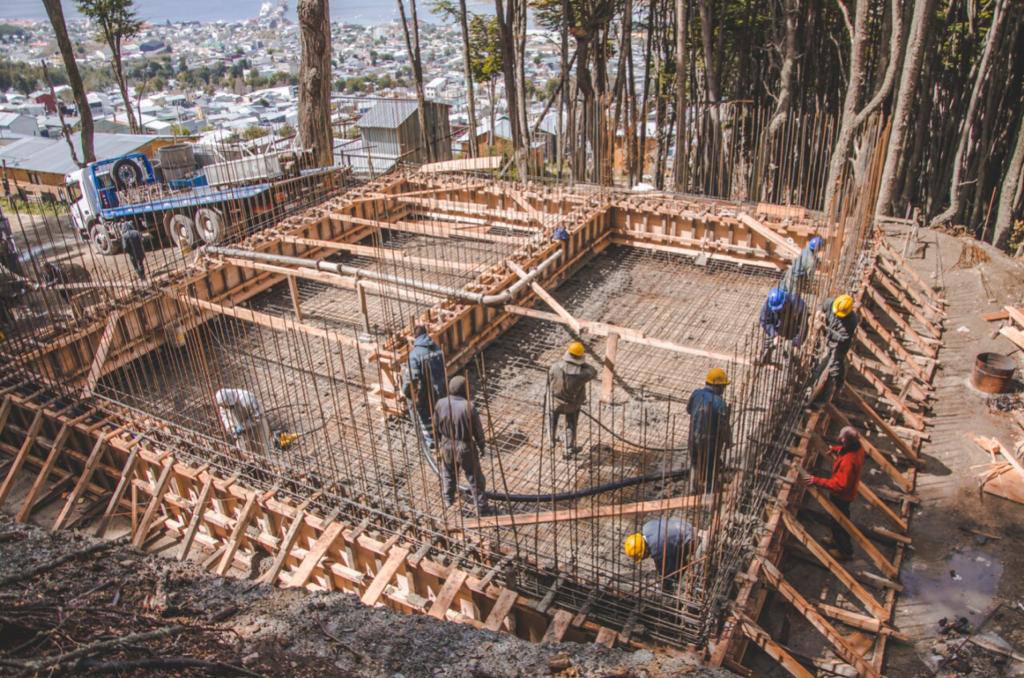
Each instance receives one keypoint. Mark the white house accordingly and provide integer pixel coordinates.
(16, 125)
(435, 88)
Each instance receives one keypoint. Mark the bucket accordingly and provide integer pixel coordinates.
(993, 372)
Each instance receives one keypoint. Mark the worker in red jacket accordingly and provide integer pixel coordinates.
(842, 486)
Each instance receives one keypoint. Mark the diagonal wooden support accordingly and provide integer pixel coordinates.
(19, 458)
(285, 547)
(5, 413)
(100, 356)
(785, 247)
(775, 579)
(903, 267)
(927, 345)
(895, 344)
(44, 473)
(315, 554)
(502, 606)
(396, 557)
(154, 505)
(447, 594)
(122, 484)
(548, 299)
(917, 389)
(905, 483)
(906, 449)
(763, 639)
(880, 561)
(196, 519)
(856, 588)
(910, 417)
(83, 481)
(906, 303)
(237, 533)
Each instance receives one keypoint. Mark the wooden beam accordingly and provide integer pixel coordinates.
(763, 640)
(855, 587)
(502, 606)
(100, 356)
(44, 473)
(575, 513)
(447, 593)
(689, 247)
(900, 443)
(904, 301)
(433, 229)
(1014, 335)
(1017, 314)
(293, 290)
(284, 549)
(5, 413)
(611, 352)
(315, 554)
(391, 255)
(880, 561)
(566, 317)
(770, 235)
(396, 557)
(994, 446)
(155, 502)
(197, 518)
(19, 459)
(861, 621)
(237, 533)
(557, 627)
(927, 345)
(908, 358)
(772, 575)
(602, 329)
(115, 499)
(83, 481)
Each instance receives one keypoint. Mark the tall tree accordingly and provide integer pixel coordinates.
(448, 9)
(787, 72)
(116, 22)
(315, 80)
(56, 14)
(412, 47)
(681, 157)
(1010, 191)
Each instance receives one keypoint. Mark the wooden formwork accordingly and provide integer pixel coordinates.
(886, 396)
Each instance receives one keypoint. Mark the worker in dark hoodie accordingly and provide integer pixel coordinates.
(426, 381)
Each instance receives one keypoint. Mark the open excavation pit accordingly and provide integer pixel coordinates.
(314, 315)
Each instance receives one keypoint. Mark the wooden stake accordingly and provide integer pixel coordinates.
(364, 308)
(293, 289)
(155, 502)
(315, 554)
(447, 593)
(608, 373)
(196, 519)
(19, 459)
(395, 559)
(876, 556)
(44, 472)
(237, 534)
(83, 481)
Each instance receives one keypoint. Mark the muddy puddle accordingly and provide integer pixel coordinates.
(963, 585)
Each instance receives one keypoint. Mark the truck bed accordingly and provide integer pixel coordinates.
(196, 197)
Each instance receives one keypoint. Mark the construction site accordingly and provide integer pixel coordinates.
(109, 420)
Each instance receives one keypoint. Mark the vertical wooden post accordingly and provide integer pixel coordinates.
(293, 287)
(611, 351)
(363, 307)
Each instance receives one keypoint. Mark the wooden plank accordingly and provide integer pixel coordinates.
(606, 637)
(100, 356)
(237, 534)
(576, 513)
(906, 356)
(197, 518)
(880, 561)
(315, 554)
(396, 557)
(763, 640)
(19, 458)
(900, 443)
(395, 256)
(927, 345)
(1017, 314)
(155, 502)
(557, 627)
(5, 413)
(502, 606)
(855, 587)
(566, 317)
(115, 499)
(1014, 335)
(772, 575)
(83, 481)
(293, 290)
(913, 419)
(611, 351)
(44, 473)
(770, 235)
(994, 446)
(285, 547)
(484, 162)
(447, 593)
(902, 266)
(906, 303)
(860, 621)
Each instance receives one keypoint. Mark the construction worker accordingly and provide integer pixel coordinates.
(242, 417)
(131, 241)
(426, 382)
(783, 317)
(842, 486)
(461, 437)
(666, 541)
(840, 325)
(801, 272)
(710, 429)
(567, 384)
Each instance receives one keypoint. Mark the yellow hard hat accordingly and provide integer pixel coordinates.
(717, 377)
(842, 305)
(635, 546)
(576, 349)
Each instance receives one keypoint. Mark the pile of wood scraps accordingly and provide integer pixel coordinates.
(1013, 325)
(1004, 476)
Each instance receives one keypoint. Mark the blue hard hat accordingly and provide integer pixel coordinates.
(560, 234)
(776, 299)
(816, 243)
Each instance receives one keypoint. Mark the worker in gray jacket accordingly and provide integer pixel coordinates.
(567, 384)
(426, 381)
(667, 541)
(461, 442)
(242, 417)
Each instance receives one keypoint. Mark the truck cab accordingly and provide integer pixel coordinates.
(95, 187)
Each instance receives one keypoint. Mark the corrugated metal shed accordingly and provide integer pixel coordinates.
(388, 114)
(39, 154)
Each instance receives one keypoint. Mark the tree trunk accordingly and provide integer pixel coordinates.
(412, 46)
(905, 98)
(791, 10)
(122, 86)
(67, 53)
(315, 80)
(644, 107)
(967, 124)
(1010, 191)
(470, 98)
(506, 28)
(680, 160)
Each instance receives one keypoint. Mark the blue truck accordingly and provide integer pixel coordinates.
(109, 193)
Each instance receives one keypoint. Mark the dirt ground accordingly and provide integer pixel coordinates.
(172, 616)
(953, 571)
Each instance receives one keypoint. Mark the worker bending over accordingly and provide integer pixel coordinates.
(461, 435)
(840, 325)
(783, 317)
(427, 382)
(842, 486)
(800, 274)
(567, 384)
(710, 429)
(242, 417)
(667, 541)
(131, 241)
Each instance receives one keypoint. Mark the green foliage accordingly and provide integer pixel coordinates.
(484, 48)
(180, 130)
(254, 132)
(286, 131)
(116, 20)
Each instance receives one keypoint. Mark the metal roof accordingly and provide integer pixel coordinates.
(40, 154)
(390, 114)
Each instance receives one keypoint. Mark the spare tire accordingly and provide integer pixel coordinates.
(126, 174)
(183, 231)
(210, 225)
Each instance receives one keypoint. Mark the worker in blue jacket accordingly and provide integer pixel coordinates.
(710, 429)
(426, 382)
(783, 318)
(800, 273)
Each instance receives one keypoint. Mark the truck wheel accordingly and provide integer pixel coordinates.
(183, 232)
(210, 225)
(126, 174)
(103, 240)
